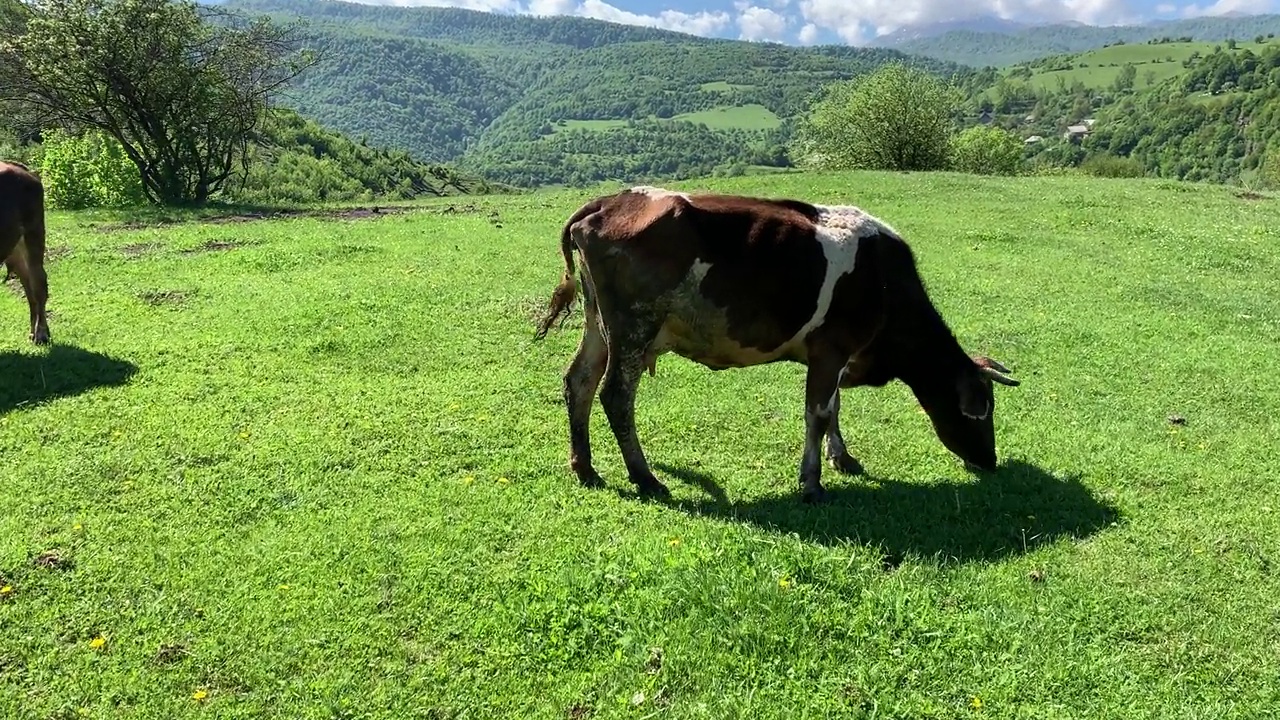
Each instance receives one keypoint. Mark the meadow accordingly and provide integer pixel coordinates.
(1155, 63)
(722, 117)
(316, 467)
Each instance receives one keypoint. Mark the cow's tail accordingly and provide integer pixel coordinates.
(563, 296)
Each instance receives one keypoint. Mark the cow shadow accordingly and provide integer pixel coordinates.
(62, 371)
(1012, 511)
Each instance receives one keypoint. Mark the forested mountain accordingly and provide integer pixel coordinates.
(1217, 122)
(557, 100)
(997, 49)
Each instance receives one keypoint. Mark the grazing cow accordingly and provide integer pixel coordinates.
(22, 240)
(728, 282)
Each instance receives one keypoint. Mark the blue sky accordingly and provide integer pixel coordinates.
(852, 22)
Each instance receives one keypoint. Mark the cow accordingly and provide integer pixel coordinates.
(22, 240)
(731, 281)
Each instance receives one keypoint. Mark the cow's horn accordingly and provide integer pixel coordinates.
(995, 371)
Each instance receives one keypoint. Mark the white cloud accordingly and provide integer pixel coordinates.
(853, 21)
(552, 7)
(759, 23)
(486, 5)
(1222, 7)
(699, 23)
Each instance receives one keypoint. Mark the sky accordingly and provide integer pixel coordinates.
(849, 22)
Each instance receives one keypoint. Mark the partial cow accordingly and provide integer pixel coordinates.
(22, 240)
(730, 281)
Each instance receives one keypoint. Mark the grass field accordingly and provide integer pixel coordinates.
(745, 117)
(1099, 68)
(737, 117)
(316, 468)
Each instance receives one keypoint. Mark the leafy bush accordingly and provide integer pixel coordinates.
(88, 170)
(295, 160)
(1111, 166)
(897, 118)
(1270, 169)
(985, 150)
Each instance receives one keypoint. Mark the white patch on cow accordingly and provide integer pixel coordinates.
(697, 329)
(840, 228)
(656, 193)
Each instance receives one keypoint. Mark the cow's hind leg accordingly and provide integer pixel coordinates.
(581, 381)
(27, 262)
(821, 383)
(627, 345)
(837, 452)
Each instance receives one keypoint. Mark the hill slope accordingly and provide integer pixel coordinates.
(507, 96)
(998, 49)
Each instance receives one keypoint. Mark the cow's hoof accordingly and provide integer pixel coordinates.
(846, 464)
(40, 338)
(590, 479)
(813, 495)
(651, 487)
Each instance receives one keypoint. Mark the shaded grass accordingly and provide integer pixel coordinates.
(331, 481)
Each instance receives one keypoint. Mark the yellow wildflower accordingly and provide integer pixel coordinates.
(244, 435)
(503, 480)
(199, 694)
(976, 703)
(77, 527)
(673, 542)
(784, 582)
(469, 479)
(6, 589)
(97, 642)
(282, 587)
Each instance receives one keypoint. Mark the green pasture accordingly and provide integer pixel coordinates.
(1155, 63)
(737, 117)
(315, 467)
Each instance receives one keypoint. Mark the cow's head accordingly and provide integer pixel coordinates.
(962, 407)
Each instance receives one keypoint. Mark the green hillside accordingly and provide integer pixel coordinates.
(1000, 49)
(524, 100)
(1154, 62)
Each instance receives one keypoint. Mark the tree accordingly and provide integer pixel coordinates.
(182, 87)
(1124, 79)
(984, 150)
(897, 118)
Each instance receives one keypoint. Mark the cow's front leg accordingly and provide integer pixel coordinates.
(821, 383)
(837, 452)
(618, 396)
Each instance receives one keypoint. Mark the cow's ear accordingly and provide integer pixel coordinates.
(974, 394)
(995, 371)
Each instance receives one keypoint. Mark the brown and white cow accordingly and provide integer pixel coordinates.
(730, 281)
(22, 240)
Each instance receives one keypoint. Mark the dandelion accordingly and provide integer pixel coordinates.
(673, 542)
(784, 582)
(97, 642)
(6, 589)
(199, 694)
(468, 479)
(503, 481)
(77, 527)
(976, 703)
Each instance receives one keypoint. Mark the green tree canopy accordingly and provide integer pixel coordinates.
(896, 118)
(181, 87)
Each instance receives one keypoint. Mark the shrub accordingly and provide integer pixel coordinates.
(88, 170)
(982, 150)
